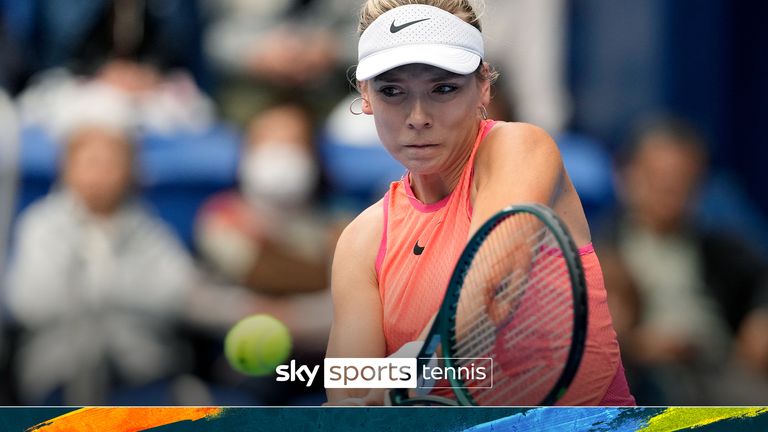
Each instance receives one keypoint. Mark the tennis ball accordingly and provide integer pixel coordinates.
(257, 345)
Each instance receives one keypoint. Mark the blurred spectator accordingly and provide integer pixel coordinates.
(142, 52)
(690, 306)
(266, 48)
(96, 283)
(271, 235)
(101, 288)
(130, 94)
(84, 35)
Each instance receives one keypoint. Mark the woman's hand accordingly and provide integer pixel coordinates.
(375, 397)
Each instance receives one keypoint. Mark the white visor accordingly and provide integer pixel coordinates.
(418, 34)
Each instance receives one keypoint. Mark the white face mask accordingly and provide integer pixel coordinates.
(277, 174)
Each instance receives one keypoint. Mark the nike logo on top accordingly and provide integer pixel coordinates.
(417, 250)
(396, 28)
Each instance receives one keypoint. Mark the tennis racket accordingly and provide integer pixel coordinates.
(517, 303)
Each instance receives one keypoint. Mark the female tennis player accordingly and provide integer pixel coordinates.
(422, 76)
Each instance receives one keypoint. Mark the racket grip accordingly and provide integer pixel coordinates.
(412, 350)
(424, 386)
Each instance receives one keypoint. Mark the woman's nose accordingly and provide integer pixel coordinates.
(419, 118)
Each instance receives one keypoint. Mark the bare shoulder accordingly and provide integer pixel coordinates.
(521, 163)
(510, 140)
(517, 163)
(359, 243)
(367, 227)
(519, 149)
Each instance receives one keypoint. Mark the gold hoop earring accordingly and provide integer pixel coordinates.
(352, 104)
(483, 112)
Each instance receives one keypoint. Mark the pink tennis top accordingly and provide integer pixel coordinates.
(420, 246)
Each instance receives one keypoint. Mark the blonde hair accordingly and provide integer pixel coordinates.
(463, 9)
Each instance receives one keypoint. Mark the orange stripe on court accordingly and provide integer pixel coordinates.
(103, 419)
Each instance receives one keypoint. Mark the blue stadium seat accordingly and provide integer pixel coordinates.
(176, 172)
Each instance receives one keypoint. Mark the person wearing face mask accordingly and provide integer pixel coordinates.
(271, 236)
(268, 235)
(278, 174)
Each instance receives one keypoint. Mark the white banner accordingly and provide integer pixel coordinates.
(370, 372)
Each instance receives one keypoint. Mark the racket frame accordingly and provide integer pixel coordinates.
(443, 329)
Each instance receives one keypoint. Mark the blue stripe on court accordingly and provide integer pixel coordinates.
(570, 419)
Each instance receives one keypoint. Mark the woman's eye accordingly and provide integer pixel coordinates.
(446, 88)
(390, 91)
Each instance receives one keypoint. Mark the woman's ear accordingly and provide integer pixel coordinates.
(485, 85)
(367, 108)
(366, 104)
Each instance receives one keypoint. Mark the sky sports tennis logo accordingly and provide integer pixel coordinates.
(393, 373)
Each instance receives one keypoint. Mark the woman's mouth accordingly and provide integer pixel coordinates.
(420, 146)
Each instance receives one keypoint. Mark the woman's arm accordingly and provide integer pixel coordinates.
(357, 312)
(518, 163)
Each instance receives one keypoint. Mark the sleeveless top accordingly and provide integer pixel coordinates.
(420, 246)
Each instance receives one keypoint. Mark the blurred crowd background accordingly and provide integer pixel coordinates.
(168, 167)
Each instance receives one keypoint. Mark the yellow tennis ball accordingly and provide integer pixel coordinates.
(257, 345)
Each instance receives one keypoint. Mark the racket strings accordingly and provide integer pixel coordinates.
(489, 267)
(521, 386)
(479, 315)
(489, 327)
(521, 331)
(520, 273)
